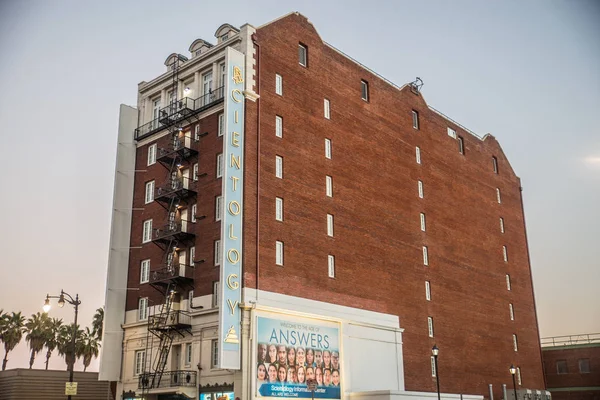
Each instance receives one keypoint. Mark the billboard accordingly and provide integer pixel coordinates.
(231, 222)
(291, 352)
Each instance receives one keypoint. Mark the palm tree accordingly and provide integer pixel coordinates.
(13, 332)
(97, 323)
(88, 347)
(35, 329)
(3, 322)
(65, 349)
(51, 341)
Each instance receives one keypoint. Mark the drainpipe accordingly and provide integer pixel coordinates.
(255, 43)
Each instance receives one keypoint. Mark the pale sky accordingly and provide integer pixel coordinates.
(526, 72)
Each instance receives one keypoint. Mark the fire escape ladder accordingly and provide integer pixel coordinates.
(166, 339)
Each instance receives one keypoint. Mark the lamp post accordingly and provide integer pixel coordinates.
(66, 297)
(513, 372)
(435, 351)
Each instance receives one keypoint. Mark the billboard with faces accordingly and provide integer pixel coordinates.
(292, 351)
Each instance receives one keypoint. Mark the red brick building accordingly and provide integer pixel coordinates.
(572, 366)
(364, 212)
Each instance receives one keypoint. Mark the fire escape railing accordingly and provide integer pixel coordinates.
(172, 272)
(168, 379)
(178, 110)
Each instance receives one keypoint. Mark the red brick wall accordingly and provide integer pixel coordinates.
(206, 230)
(573, 378)
(378, 241)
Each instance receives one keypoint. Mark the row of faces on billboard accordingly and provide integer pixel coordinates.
(292, 353)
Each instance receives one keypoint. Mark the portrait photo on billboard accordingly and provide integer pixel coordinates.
(292, 351)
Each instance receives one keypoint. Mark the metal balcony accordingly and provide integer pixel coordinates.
(168, 379)
(180, 148)
(174, 320)
(176, 273)
(180, 111)
(173, 231)
(178, 188)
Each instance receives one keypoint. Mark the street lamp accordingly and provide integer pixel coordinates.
(66, 297)
(513, 372)
(435, 351)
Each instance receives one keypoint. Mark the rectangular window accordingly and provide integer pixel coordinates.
(279, 253)
(430, 326)
(501, 225)
(147, 231)
(197, 132)
(149, 198)
(428, 290)
(143, 309)
(561, 367)
(420, 185)
(461, 145)
(511, 311)
(515, 344)
(223, 75)
(495, 164)
(140, 361)
(221, 124)
(279, 167)
(423, 222)
(326, 110)
(217, 252)
(145, 271)
(331, 266)
(195, 172)
(415, 118)
(218, 208)
(584, 365)
(219, 165)
(302, 55)
(451, 133)
(418, 155)
(498, 197)
(425, 256)
(278, 84)
(328, 148)
(215, 294)
(152, 154)
(505, 253)
(433, 371)
(329, 186)
(188, 354)
(278, 126)
(507, 281)
(278, 209)
(192, 255)
(329, 225)
(206, 86)
(519, 376)
(194, 209)
(364, 88)
(214, 353)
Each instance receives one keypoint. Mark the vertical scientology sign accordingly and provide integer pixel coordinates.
(231, 223)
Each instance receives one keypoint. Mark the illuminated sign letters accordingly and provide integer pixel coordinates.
(231, 223)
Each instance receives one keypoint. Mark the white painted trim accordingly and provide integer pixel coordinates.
(269, 301)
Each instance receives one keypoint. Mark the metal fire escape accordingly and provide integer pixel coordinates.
(174, 277)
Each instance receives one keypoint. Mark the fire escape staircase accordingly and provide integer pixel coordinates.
(174, 277)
